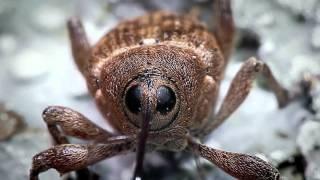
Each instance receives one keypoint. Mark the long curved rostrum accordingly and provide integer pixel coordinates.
(142, 140)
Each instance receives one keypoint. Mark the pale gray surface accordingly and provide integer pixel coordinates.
(36, 70)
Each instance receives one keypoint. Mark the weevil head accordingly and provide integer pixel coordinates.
(166, 80)
(151, 92)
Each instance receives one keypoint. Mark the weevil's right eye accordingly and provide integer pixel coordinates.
(133, 99)
(166, 99)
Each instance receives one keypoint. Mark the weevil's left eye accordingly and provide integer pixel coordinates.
(133, 99)
(166, 99)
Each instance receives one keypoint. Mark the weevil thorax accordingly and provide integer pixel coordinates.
(137, 66)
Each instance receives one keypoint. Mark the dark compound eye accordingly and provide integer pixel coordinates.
(166, 99)
(133, 99)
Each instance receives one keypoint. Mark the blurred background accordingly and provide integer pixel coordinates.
(37, 70)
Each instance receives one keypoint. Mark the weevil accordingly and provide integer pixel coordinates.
(156, 80)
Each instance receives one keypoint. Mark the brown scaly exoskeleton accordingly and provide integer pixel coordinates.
(156, 80)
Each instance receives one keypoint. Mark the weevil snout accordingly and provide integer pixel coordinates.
(158, 93)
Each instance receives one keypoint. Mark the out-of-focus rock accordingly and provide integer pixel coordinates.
(316, 97)
(16, 155)
(315, 37)
(135, 9)
(289, 174)
(10, 123)
(48, 17)
(174, 6)
(8, 44)
(267, 48)
(278, 156)
(29, 65)
(301, 65)
(307, 8)
(309, 143)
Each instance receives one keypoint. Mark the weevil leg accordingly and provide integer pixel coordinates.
(240, 166)
(80, 46)
(72, 124)
(62, 122)
(69, 157)
(224, 27)
(240, 88)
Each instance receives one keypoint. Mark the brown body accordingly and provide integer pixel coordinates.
(171, 46)
(156, 80)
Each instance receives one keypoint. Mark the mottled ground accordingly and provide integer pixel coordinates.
(36, 70)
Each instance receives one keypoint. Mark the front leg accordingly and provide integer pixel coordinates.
(62, 122)
(69, 157)
(72, 124)
(240, 166)
(240, 88)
